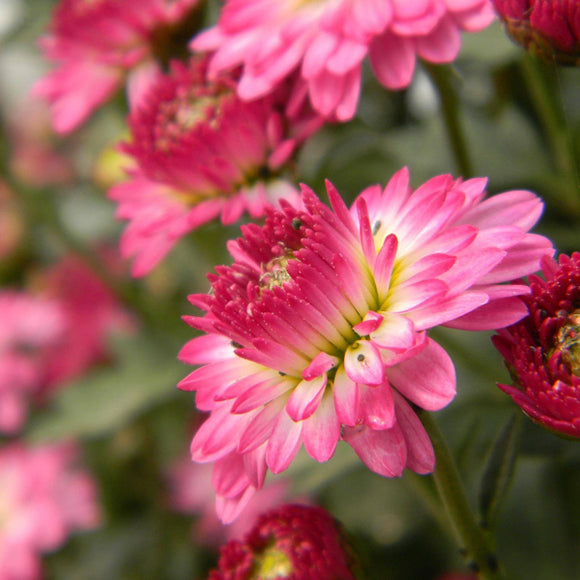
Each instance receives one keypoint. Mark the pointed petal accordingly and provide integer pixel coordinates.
(363, 363)
(322, 431)
(305, 398)
(284, 443)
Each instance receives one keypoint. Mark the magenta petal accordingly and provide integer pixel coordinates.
(395, 333)
(378, 407)
(363, 363)
(371, 322)
(346, 398)
(320, 365)
(383, 452)
(207, 348)
(261, 426)
(229, 476)
(492, 316)
(321, 432)
(284, 443)
(420, 454)
(428, 379)
(305, 398)
(383, 267)
(393, 60)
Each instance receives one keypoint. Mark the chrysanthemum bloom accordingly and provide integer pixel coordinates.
(551, 28)
(327, 40)
(543, 350)
(294, 541)
(30, 325)
(53, 337)
(317, 331)
(44, 499)
(95, 45)
(191, 492)
(200, 152)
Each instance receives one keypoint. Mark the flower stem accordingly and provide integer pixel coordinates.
(471, 537)
(451, 109)
(542, 83)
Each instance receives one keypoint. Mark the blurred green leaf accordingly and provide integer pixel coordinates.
(145, 374)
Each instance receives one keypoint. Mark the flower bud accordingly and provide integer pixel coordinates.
(294, 541)
(550, 28)
(543, 350)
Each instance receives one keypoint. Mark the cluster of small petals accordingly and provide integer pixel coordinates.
(94, 45)
(199, 153)
(543, 350)
(317, 332)
(294, 541)
(327, 40)
(48, 339)
(549, 28)
(45, 498)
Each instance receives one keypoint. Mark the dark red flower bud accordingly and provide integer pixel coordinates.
(295, 542)
(543, 350)
(550, 28)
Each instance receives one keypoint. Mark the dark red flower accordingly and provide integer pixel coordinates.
(295, 541)
(551, 28)
(543, 350)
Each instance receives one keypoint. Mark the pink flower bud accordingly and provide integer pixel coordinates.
(551, 28)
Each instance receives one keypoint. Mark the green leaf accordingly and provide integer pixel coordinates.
(499, 469)
(145, 374)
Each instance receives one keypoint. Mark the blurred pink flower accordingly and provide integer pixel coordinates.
(293, 542)
(551, 28)
(328, 40)
(543, 350)
(30, 325)
(44, 499)
(200, 153)
(317, 332)
(191, 492)
(53, 337)
(95, 45)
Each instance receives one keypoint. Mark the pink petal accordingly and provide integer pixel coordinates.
(284, 443)
(383, 452)
(322, 431)
(378, 407)
(428, 379)
(395, 333)
(346, 398)
(305, 398)
(393, 60)
(363, 363)
(320, 365)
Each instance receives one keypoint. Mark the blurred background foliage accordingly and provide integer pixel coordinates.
(132, 421)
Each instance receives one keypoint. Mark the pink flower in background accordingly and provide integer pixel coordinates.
(30, 325)
(191, 492)
(53, 337)
(543, 350)
(44, 499)
(95, 45)
(317, 332)
(294, 542)
(327, 40)
(550, 27)
(200, 152)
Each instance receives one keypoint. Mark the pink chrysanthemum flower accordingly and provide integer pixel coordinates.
(200, 152)
(44, 499)
(30, 327)
(48, 339)
(95, 44)
(318, 331)
(326, 40)
(543, 350)
(294, 542)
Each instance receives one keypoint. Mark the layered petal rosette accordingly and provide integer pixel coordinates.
(44, 498)
(199, 153)
(317, 332)
(95, 45)
(543, 350)
(327, 40)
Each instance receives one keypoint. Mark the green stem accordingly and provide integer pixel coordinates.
(542, 84)
(451, 109)
(470, 536)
